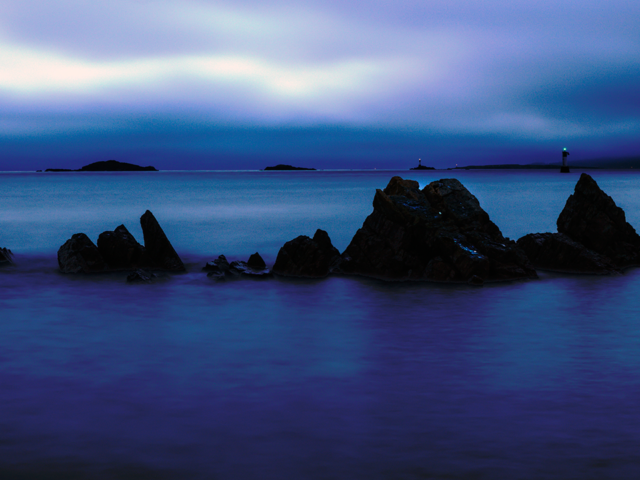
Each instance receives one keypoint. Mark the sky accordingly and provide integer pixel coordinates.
(328, 84)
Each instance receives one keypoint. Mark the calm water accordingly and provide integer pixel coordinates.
(280, 379)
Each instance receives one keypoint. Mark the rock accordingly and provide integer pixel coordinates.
(80, 255)
(256, 262)
(120, 250)
(592, 218)
(219, 264)
(439, 233)
(221, 269)
(141, 276)
(306, 257)
(159, 253)
(6, 257)
(557, 252)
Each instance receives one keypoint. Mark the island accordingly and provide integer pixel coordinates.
(287, 167)
(107, 166)
(421, 167)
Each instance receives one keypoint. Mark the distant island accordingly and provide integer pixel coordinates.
(421, 167)
(287, 167)
(516, 166)
(107, 166)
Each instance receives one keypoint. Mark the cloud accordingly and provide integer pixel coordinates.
(507, 69)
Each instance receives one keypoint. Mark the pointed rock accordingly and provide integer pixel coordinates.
(256, 262)
(592, 218)
(159, 253)
(80, 255)
(306, 257)
(120, 249)
(439, 233)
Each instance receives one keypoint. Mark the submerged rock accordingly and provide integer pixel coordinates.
(591, 218)
(159, 253)
(141, 276)
(307, 257)
(6, 257)
(80, 255)
(439, 233)
(557, 252)
(120, 249)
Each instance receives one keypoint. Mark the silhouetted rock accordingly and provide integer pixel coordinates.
(592, 218)
(6, 257)
(221, 269)
(141, 276)
(557, 252)
(80, 255)
(256, 262)
(120, 250)
(439, 233)
(159, 253)
(306, 257)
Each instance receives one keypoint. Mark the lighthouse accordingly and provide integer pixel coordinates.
(564, 168)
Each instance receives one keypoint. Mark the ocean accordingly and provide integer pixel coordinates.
(340, 378)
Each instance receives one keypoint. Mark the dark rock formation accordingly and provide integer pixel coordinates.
(221, 269)
(217, 268)
(592, 218)
(159, 251)
(256, 262)
(287, 167)
(557, 252)
(80, 255)
(306, 257)
(107, 166)
(439, 233)
(6, 257)
(120, 250)
(141, 276)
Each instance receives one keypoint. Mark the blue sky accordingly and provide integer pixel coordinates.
(376, 84)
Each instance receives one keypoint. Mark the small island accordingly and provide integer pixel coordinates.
(107, 166)
(421, 167)
(287, 167)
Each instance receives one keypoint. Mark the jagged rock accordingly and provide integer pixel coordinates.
(159, 253)
(120, 249)
(439, 233)
(141, 276)
(592, 218)
(220, 264)
(80, 255)
(6, 257)
(557, 252)
(306, 257)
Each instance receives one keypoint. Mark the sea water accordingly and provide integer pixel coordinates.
(344, 377)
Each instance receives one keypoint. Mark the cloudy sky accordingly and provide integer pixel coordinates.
(332, 84)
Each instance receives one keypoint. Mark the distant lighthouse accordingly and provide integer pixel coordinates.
(564, 168)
